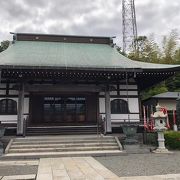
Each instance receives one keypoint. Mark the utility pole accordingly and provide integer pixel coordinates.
(129, 25)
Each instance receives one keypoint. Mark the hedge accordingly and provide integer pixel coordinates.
(172, 139)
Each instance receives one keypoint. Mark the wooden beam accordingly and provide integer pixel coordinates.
(108, 111)
(0, 75)
(20, 116)
(63, 88)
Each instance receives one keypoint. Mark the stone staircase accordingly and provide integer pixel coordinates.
(62, 146)
(61, 130)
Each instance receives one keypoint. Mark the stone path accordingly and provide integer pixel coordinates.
(19, 177)
(73, 168)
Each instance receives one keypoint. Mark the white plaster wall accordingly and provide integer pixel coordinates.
(13, 118)
(102, 93)
(124, 117)
(133, 93)
(119, 118)
(113, 93)
(129, 87)
(2, 92)
(13, 92)
(133, 104)
(8, 118)
(26, 105)
(133, 107)
(102, 105)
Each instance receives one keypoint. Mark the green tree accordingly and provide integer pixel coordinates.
(4, 45)
(177, 56)
(157, 89)
(147, 50)
(169, 46)
(168, 53)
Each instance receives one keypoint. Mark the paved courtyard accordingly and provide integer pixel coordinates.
(142, 164)
(131, 166)
(24, 167)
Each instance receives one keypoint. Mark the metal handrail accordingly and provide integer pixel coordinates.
(97, 127)
(104, 124)
(100, 125)
(25, 122)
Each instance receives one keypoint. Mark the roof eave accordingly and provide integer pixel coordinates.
(72, 68)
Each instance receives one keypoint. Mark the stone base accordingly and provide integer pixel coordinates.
(128, 141)
(162, 150)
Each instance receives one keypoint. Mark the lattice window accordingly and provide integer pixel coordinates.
(119, 106)
(8, 107)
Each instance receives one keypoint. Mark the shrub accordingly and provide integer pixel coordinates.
(172, 139)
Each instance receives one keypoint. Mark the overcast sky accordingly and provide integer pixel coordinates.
(86, 17)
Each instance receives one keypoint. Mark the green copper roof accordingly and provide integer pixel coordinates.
(69, 55)
(145, 65)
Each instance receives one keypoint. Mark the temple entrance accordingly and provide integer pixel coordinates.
(63, 109)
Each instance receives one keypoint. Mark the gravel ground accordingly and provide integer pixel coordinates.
(17, 170)
(142, 164)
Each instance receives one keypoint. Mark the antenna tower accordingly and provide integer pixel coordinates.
(129, 25)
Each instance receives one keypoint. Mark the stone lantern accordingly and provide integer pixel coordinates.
(160, 120)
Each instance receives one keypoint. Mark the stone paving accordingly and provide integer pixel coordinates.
(142, 164)
(19, 177)
(87, 168)
(158, 177)
(18, 169)
(73, 168)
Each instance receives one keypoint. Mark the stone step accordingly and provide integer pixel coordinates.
(62, 130)
(20, 146)
(37, 155)
(65, 138)
(62, 142)
(89, 148)
(58, 133)
(40, 141)
(62, 146)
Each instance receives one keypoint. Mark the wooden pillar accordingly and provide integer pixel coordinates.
(20, 116)
(108, 127)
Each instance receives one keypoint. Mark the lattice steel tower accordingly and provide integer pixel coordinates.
(129, 25)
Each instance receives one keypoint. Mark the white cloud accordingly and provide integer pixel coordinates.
(86, 17)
